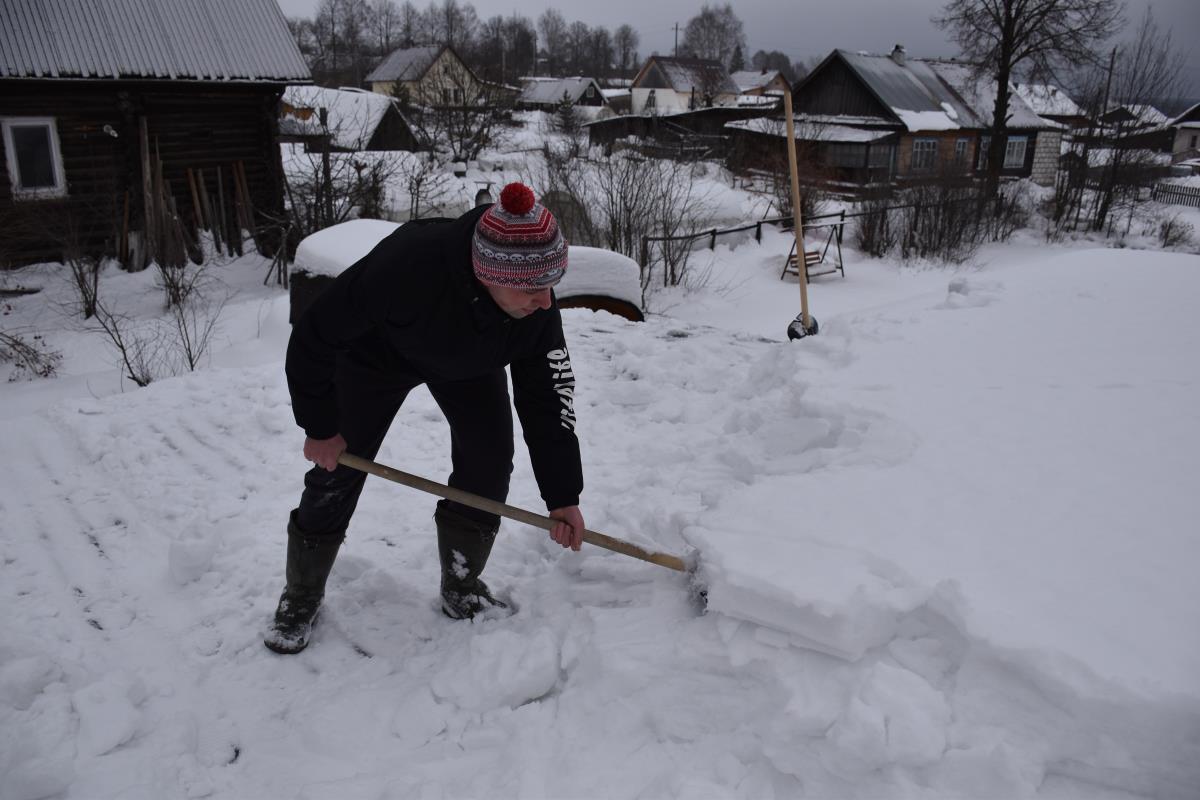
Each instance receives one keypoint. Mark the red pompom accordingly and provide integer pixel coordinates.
(516, 198)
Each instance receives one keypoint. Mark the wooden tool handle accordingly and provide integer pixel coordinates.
(510, 512)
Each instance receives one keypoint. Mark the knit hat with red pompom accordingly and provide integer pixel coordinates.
(517, 243)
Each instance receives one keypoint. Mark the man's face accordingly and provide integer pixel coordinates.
(519, 303)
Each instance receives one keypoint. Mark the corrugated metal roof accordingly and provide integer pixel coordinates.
(911, 86)
(937, 95)
(407, 64)
(980, 94)
(208, 40)
(543, 91)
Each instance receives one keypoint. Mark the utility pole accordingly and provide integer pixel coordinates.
(676, 40)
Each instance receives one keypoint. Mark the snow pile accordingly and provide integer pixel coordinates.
(973, 488)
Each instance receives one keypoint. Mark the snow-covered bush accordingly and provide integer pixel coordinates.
(1174, 231)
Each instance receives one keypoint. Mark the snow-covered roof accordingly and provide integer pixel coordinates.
(406, 64)
(186, 40)
(935, 95)
(747, 80)
(809, 132)
(353, 114)
(685, 74)
(1179, 119)
(550, 91)
(1144, 114)
(752, 100)
(979, 94)
(1047, 100)
(610, 94)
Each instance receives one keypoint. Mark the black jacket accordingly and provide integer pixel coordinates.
(413, 308)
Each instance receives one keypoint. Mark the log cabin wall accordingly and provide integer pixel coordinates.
(201, 126)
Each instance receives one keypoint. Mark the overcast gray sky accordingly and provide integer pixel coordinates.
(805, 29)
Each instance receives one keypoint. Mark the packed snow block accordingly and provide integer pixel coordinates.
(822, 597)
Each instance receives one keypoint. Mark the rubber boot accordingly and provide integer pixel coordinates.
(464, 545)
(309, 560)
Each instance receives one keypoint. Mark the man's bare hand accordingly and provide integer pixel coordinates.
(324, 452)
(569, 528)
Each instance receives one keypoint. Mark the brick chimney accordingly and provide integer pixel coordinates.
(898, 54)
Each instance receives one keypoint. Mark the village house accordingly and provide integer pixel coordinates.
(863, 118)
(1052, 103)
(134, 123)
(1138, 126)
(758, 82)
(428, 76)
(666, 85)
(547, 94)
(355, 119)
(1186, 146)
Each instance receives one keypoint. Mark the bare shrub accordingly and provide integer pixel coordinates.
(1174, 231)
(140, 349)
(875, 233)
(31, 357)
(617, 201)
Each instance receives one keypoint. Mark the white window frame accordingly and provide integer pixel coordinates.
(60, 181)
(962, 149)
(925, 144)
(1010, 150)
(591, 92)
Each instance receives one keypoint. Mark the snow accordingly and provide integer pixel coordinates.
(590, 270)
(926, 120)
(949, 547)
(352, 114)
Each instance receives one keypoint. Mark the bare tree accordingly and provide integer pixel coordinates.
(715, 33)
(411, 26)
(384, 24)
(625, 43)
(774, 60)
(1144, 71)
(1034, 36)
(553, 29)
(452, 23)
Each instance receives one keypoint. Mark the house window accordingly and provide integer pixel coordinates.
(1014, 152)
(960, 151)
(985, 144)
(881, 156)
(850, 155)
(1192, 146)
(591, 91)
(34, 157)
(924, 154)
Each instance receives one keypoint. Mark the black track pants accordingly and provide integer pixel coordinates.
(481, 435)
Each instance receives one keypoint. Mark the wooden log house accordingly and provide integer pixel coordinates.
(120, 118)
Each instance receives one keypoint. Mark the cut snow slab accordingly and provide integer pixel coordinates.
(822, 597)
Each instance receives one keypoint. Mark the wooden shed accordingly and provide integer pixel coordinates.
(115, 114)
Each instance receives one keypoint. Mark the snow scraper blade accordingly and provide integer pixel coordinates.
(520, 515)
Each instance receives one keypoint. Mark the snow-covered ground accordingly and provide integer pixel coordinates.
(963, 516)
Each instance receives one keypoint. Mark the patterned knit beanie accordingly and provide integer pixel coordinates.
(517, 243)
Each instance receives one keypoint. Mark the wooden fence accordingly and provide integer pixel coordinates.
(1176, 195)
